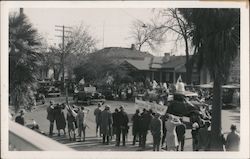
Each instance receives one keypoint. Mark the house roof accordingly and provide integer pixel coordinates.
(140, 64)
(122, 53)
(176, 63)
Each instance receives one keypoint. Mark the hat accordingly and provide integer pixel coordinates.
(21, 111)
(157, 114)
(195, 126)
(107, 107)
(121, 107)
(233, 127)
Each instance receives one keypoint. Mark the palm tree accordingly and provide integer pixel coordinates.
(216, 34)
(23, 58)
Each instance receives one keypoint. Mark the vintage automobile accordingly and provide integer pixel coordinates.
(185, 104)
(89, 95)
(40, 97)
(53, 91)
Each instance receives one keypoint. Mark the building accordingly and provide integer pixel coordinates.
(162, 69)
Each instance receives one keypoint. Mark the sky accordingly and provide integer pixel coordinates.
(111, 26)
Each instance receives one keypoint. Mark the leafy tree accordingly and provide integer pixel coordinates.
(23, 59)
(78, 43)
(216, 33)
(97, 69)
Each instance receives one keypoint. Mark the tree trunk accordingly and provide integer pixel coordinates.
(188, 64)
(216, 136)
(189, 72)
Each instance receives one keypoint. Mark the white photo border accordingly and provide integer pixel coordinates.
(244, 72)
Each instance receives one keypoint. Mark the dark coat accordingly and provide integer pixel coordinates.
(19, 119)
(106, 122)
(145, 121)
(136, 123)
(50, 114)
(97, 114)
(156, 127)
(123, 121)
(180, 131)
(115, 117)
(60, 118)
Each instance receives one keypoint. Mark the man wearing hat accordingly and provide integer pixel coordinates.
(122, 126)
(156, 130)
(20, 118)
(194, 132)
(106, 124)
(51, 117)
(97, 114)
(233, 140)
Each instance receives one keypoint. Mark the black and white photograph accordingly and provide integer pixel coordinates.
(152, 79)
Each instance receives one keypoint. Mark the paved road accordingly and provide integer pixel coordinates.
(93, 143)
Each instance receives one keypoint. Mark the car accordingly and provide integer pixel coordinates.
(40, 97)
(88, 95)
(185, 104)
(53, 91)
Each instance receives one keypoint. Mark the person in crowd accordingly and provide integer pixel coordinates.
(195, 132)
(20, 118)
(180, 85)
(180, 131)
(51, 117)
(81, 123)
(97, 114)
(136, 125)
(196, 118)
(106, 124)
(71, 120)
(115, 117)
(164, 131)
(204, 137)
(171, 137)
(144, 123)
(122, 126)
(232, 140)
(60, 118)
(156, 130)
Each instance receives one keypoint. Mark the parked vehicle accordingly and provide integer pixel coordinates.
(185, 104)
(89, 95)
(40, 97)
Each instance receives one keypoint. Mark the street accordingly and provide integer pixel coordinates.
(94, 143)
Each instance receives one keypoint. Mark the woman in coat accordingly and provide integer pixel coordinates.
(60, 118)
(171, 137)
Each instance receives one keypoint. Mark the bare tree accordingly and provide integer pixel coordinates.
(173, 22)
(146, 35)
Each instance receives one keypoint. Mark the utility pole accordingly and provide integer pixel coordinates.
(62, 29)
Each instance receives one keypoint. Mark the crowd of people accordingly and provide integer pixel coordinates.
(168, 131)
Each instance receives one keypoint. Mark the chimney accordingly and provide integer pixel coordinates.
(166, 57)
(133, 47)
(21, 11)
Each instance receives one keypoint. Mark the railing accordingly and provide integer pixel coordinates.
(25, 139)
